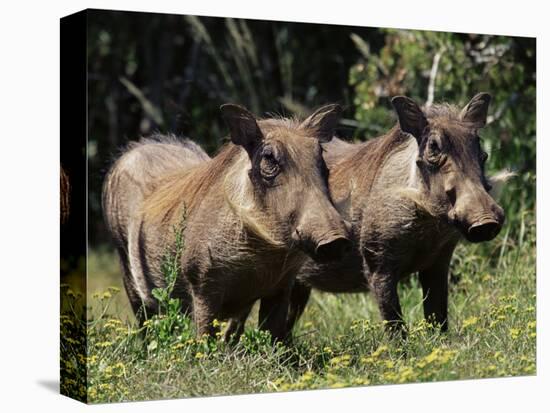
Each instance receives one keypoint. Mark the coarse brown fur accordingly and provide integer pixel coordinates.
(251, 211)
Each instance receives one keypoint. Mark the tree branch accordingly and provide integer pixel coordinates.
(433, 75)
(148, 106)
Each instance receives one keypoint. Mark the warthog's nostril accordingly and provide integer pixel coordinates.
(483, 231)
(332, 250)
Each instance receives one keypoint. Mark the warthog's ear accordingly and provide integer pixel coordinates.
(411, 118)
(324, 121)
(476, 111)
(243, 127)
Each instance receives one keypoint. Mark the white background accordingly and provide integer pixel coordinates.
(29, 202)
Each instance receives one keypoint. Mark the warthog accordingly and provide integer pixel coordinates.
(410, 196)
(251, 212)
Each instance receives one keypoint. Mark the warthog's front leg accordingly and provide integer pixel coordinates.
(435, 289)
(235, 326)
(299, 297)
(384, 287)
(205, 308)
(273, 315)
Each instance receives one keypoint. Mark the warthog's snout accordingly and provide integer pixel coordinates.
(321, 232)
(477, 215)
(486, 227)
(332, 249)
(484, 230)
(328, 247)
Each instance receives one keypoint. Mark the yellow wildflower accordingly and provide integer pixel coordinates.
(406, 374)
(470, 321)
(514, 333)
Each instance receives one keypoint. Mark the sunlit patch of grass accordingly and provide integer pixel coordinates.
(339, 342)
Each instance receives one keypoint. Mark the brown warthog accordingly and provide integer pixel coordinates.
(251, 211)
(410, 195)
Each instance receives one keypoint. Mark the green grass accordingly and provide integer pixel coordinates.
(339, 342)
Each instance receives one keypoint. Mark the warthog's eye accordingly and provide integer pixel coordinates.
(434, 148)
(269, 166)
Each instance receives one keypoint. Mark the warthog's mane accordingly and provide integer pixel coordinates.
(370, 157)
(226, 172)
(444, 111)
(188, 185)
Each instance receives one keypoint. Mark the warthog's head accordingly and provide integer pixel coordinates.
(451, 163)
(289, 179)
